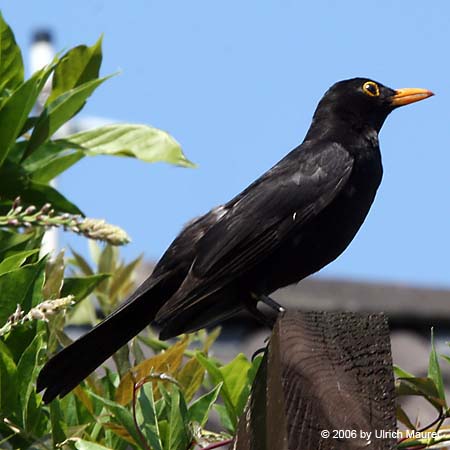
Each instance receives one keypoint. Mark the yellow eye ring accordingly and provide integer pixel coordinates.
(370, 88)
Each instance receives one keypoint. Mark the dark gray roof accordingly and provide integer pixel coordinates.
(397, 300)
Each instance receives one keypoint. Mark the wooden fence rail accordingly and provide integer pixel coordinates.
(325, 383)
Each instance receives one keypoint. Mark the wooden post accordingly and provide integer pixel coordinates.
(325, 383)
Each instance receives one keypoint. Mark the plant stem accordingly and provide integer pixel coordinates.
(98, 229)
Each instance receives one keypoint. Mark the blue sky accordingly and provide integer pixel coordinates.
(236, 83)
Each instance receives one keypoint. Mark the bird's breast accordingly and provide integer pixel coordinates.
(352, 204)
(320, 241)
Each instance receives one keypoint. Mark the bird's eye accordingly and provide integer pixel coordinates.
(370, 88)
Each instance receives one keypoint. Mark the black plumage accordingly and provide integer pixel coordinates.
(292, 221)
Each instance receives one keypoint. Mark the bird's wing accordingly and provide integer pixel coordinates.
(259, 219)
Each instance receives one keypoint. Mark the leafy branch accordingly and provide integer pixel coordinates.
(42, 311)
(431, 388)
(31, 216)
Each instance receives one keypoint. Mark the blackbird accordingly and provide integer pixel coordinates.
(289, 223)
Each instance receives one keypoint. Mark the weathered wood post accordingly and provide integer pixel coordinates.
(325, 383)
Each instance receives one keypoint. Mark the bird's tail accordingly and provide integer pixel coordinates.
(74, 363)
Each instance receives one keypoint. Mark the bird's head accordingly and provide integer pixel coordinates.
(362, 103)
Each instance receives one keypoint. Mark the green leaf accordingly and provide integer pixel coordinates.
(122, 415)
(28, 125)
(209, 338)
(69, 406)
(199, 410)
(137, 352)
(94, 251)
(36, 290)
(122, 276)
(164, 431)
(27, 370)
(401, 373)
(81, 444)
(403, 418)
(78, 66)
(59, 426)
(16, 260)
(49, 160)
(179, 435)
(121, 359)
(38, 194)
(59, 111)
(81, 287)
(13, 241)
(81, 263)
(11, 63)
(137, 141)
(149, 419)
(16, 152)
(56, 167)
(225, 418)
(20, 286)
(108, 259)
(43, 155)
(165, 403)
(211, 367)
(434, 371)
(54, 277)
(161, 407)
(15, 110)
(83, 313)
(15, 181)
(191, 378)
(255, 364)
(110, 382)
(8, 382)
(421, 386)
(217, 377)
(235, 375)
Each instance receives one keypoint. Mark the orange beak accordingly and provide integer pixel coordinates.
(409, 95)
